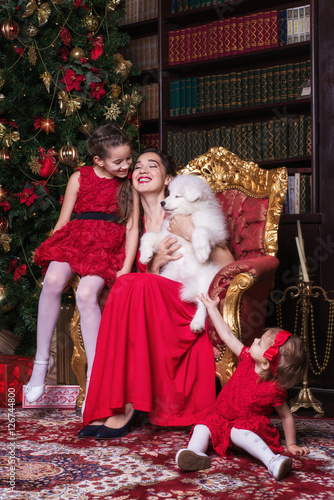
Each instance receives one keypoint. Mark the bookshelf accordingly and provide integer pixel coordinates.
(319, 106)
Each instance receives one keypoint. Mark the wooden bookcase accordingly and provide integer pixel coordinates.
(317, 224)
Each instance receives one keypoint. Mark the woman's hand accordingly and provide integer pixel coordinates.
(164, 254)
(182, 225)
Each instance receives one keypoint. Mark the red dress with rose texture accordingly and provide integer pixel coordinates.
(146, 354)
(91, 247)
(245, 402)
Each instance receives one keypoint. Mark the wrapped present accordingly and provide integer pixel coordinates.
(55, 396)
(14, 372)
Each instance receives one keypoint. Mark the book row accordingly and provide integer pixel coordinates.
(143, 51)
(229, 36)
(134, 14)
(298, 196)
(150, 140)
(149, 108)
(178, 6)
(259, 141)
(237, 89)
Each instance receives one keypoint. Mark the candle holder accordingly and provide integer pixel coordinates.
(304, 291)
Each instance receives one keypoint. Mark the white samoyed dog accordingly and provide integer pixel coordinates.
(190, 195)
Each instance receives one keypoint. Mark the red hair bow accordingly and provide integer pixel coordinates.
(272, 354)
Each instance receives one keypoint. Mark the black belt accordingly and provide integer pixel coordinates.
(97, 216)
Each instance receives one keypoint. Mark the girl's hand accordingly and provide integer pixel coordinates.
(294, 449)
(164, 254)
(208, 302)
(182, 225)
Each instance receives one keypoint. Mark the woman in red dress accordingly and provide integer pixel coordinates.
(147, 357)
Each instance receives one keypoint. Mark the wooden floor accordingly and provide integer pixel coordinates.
(324, 396)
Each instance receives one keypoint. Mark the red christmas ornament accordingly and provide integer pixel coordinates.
(9, 29)
(47, 162)
(48, 125)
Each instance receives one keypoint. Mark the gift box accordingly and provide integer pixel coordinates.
(55, 396)
(14, 372)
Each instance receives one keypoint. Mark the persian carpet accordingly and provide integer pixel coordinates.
(52, 462)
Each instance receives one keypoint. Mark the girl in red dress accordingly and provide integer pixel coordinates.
(241, 413)
(147, 357)
(99, 244)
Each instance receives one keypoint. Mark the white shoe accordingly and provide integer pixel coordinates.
(280, 466)
(32, 393)
(188, 460)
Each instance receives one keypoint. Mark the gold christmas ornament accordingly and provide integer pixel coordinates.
(32, 56)
(43, 11)
(4, 224)
(77, 53)
(123, 67)
(9, 29)
(68, 155)
(5, 241)
(111, 6)
(86, 127)
(47, 79)
(34, 164)
(31, 31)
(2, 78)
(136, 98)
(7, 136)
(4, 156)
(126, 99)
(112, 112)
(67, 103)
(90, 22)
(115, 90)
(3, 294)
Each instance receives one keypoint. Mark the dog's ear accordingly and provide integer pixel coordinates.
(192, 193)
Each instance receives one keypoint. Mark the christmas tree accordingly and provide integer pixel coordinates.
(62, 73)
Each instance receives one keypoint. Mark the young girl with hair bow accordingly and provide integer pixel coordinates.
(240, 416)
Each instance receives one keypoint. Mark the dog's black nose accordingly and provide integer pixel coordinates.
(163, 203)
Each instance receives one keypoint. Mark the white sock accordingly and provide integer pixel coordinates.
(253, 444)
(58, 274)
(199, 440)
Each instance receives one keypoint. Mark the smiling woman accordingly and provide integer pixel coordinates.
(147, 356)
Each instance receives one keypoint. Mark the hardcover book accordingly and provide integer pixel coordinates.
(234, 35)
(266, 30)
(251, 87)
(282, 28)
(274, 28)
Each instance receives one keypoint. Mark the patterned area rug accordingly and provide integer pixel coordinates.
(51, 462)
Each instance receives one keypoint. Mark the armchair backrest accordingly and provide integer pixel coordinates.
(252, 199)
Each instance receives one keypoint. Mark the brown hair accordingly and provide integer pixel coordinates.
(292, 361)
(103, 139)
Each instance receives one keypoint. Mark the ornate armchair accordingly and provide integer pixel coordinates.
(252, 199)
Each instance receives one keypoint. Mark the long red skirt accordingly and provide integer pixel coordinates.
(147, 355)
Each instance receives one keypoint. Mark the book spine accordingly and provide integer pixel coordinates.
(171, 47)
(238, 140)
(243, 139)
(177, 47)
(207, 94)
(170, 141)
(305, 195)
(234, 35)
(283, 85)
(182, 46)
(302, 24)
(173, 7)
(257, 86)
(253, 31)
(291, 189)
(296, 81)
(257, 155)
(179, 6)
(227, 36)
(220, 37)
(264, 85)
(200, 81)
(302, 136)
(297, 193)
(226, 91)
(289, 82)
(247, 34)
(274, 33)
(250, 141)
(270, 84)
(241, 34)
(282, 27)
(187, 42)
(307, 23)
(277, 139)
(238, 90)
(177, 98)
(233, 90)
(289, 36)
(182, 97)
(302, 72)
(270, 140)
(213, 93)
(195, 34)
(266, 30)
(171, 98)
(295, 21)
(244, 88)
(194, 95)
(260, 31)
(213, 34)
(220, 93)
(203, 41)
(188, 109)
(308, 146)
(284, 137)
(293, 137)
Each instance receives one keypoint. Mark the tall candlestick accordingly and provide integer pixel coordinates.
(301, 241)
(302, 262)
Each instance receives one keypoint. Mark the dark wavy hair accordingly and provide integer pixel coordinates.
(104, 138)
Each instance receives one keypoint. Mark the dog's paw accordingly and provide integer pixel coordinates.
(197, 325)
(146, 254)
(202, 252)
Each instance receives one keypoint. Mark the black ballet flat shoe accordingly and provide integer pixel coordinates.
(109, 433)
(89, 431)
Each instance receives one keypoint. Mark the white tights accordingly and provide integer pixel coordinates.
(242, 438)
(56, 278)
